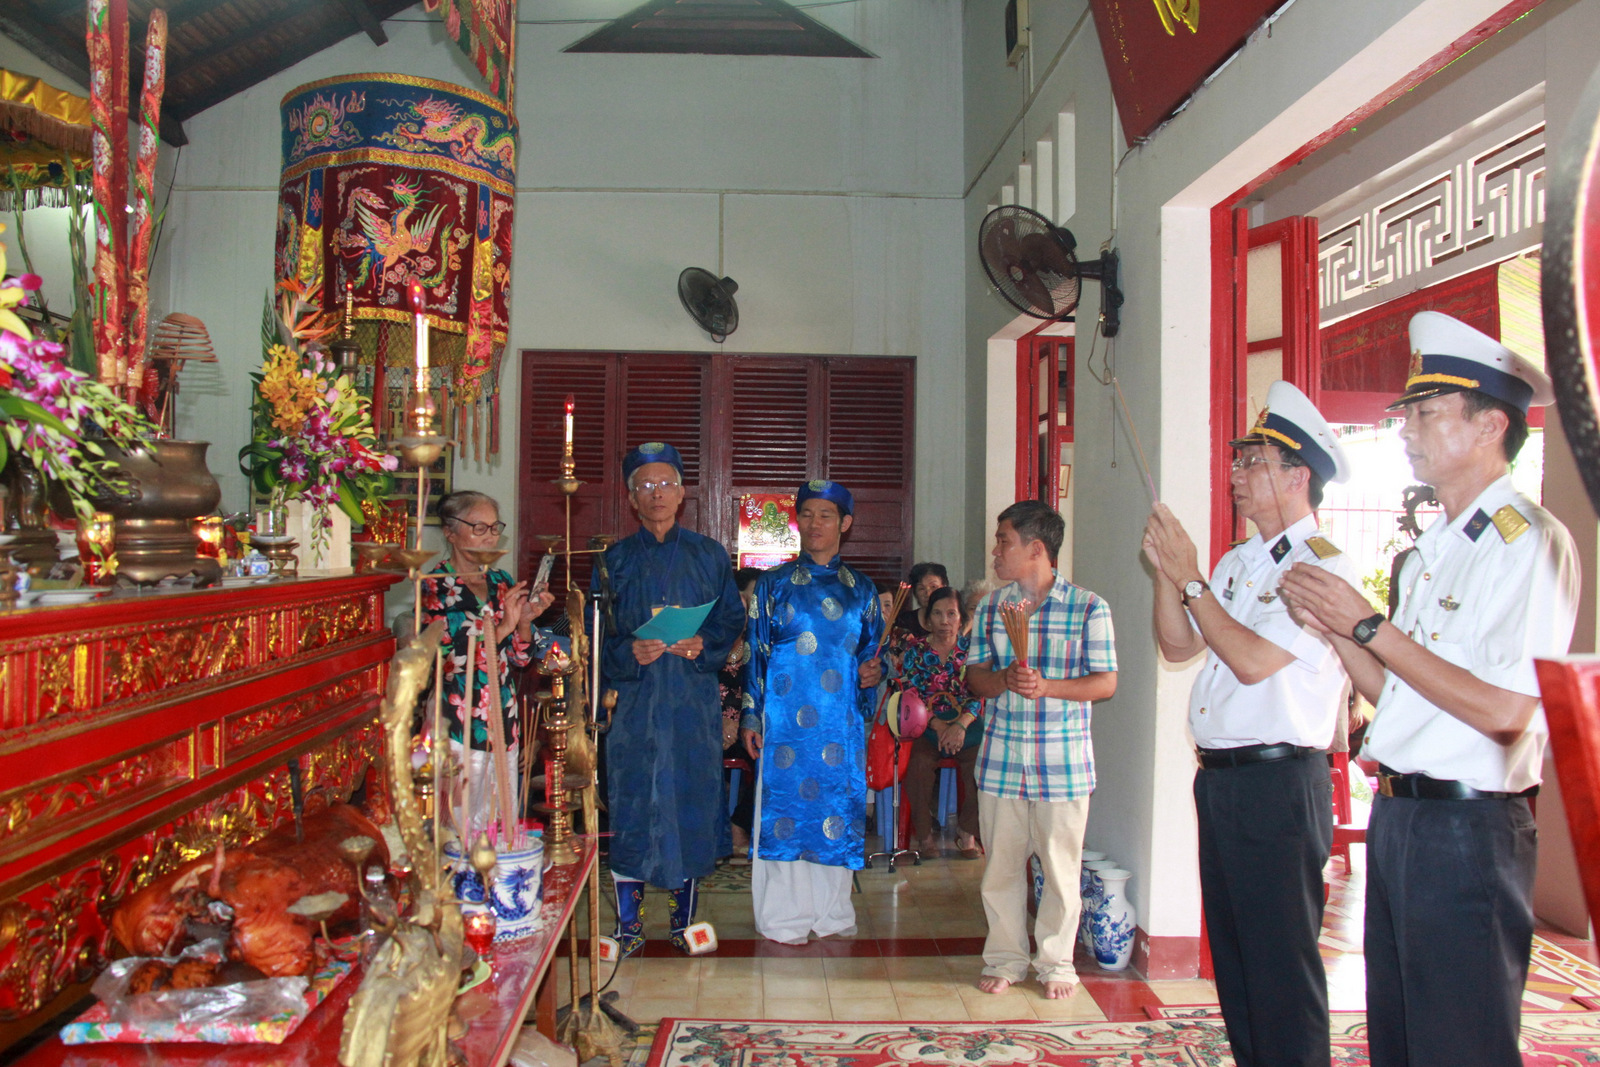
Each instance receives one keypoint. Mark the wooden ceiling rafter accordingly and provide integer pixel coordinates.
(216, 48)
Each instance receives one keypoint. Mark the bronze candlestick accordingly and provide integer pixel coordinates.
(558, 846)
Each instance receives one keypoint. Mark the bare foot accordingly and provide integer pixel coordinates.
(991, 984)
(1059, 990)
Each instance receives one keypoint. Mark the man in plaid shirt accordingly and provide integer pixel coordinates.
(1036, 767)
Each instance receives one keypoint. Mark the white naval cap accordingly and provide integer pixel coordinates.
(1292, 421)
(1448, 356)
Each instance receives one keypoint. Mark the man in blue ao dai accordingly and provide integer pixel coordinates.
(814, 628)
(664, 749)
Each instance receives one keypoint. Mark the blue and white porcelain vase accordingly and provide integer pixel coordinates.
(1112, 921)
(516, 886)
(1085, 879)
(1093, 898)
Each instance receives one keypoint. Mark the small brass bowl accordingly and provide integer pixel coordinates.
(412, 558)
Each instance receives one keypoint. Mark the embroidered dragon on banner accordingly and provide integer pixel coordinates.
(467, 137)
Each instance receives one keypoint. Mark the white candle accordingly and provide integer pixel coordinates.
(569, 423)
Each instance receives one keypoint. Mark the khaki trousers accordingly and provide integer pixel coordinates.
(1012, 831)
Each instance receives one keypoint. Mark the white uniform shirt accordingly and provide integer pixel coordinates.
(1489, 605)
(1298, 704)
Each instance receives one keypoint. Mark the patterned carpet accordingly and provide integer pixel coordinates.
(1551, 1039)
(1557, 981)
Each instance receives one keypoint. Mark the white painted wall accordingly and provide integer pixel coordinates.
(829, 188)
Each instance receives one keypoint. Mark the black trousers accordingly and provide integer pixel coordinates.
(1449, 929)
(1265, 833)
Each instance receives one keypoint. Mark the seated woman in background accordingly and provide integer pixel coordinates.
(471, 521)
(731, 682)
(924, 579)
(934, 666)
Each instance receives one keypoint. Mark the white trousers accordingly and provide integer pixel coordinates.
(1012, 831)
(793, 898)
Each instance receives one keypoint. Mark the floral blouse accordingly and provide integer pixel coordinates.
(922, 669)
(730, 682)
(453, 601)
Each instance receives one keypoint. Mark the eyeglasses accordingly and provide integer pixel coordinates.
(650, 487)
(1244, 463)
(481, 528)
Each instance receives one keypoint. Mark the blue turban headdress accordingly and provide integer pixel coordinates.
(826, 490)
(651, 452)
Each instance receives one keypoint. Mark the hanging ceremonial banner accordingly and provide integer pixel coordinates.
(389, 178)
(1157, 52)
(486, 30)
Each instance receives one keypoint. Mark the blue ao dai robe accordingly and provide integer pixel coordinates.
(812, 625)
(664, 749)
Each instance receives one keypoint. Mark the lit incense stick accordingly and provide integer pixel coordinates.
(1134, 431)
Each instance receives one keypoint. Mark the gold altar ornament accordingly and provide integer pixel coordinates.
(400, 1015)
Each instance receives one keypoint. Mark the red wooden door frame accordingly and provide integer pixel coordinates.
(1230, 243)
(1029, 473)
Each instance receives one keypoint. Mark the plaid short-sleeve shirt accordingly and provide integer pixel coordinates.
(1041, 749)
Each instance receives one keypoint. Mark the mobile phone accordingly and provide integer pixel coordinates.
(542, 578)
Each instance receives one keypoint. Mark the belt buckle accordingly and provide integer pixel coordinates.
(1386, 784)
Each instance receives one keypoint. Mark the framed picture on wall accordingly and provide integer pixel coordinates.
(440, 475)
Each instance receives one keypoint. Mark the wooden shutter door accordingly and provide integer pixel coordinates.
(771, 424)
(868, 448)
(547, 378)
(665, 398)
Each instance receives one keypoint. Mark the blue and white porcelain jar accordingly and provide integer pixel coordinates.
(516, 884)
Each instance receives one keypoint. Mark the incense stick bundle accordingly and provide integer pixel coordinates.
(527, 781)
(1015, 617)
(497, 732)
(895, 605)
(466, 745)
(441, 754)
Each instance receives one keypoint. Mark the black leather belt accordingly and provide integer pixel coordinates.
(1213, 758)
(1420, 787)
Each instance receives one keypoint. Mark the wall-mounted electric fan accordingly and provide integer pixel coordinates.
(1033, 264)
(709, 301)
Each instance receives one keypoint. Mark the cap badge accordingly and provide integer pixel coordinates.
(817, 485)
(650, 448)
(1416, 363)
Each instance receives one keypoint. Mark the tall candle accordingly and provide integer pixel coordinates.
(421, 319)
(569, 423)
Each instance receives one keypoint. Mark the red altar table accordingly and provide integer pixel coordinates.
(137, 731)
(493, 1012)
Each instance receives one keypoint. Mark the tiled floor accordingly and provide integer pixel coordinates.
(915, 957)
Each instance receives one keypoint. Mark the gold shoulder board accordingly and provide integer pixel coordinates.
(1322, 547)
(1509, 521)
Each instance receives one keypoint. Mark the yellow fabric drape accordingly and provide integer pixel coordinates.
(53, 117)
(40, 127)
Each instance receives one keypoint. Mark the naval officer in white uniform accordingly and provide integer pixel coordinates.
(1263, 713)
(1458, 733)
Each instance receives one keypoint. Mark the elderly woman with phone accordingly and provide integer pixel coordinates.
(474, 599)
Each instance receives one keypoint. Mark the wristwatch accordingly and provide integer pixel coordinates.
(1366, 629)
(1193, 589)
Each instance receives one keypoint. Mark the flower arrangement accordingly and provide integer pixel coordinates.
(314, 439)
(54, 416)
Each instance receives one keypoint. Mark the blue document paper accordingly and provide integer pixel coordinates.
(674, 624)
